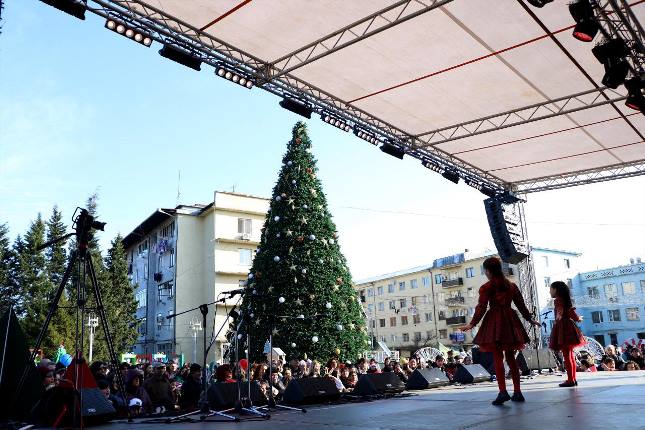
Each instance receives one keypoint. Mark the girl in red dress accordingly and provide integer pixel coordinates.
(565, 334)
(501, 331)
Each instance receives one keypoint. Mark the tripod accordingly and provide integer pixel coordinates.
(84, 224)
(204, 408)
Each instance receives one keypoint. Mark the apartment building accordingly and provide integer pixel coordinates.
(185, 256)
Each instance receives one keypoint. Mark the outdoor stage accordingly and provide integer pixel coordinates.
(602, 399)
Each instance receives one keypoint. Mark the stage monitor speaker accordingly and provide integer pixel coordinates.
(507, 231)
(372, 384)
(422, 379)
(223, 395)
(471, 373)
(535, 359)
(56, 408)
(486, 361)
(311, 390)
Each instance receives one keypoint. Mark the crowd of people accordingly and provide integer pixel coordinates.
(166, 387)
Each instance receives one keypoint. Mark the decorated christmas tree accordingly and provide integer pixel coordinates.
(300, 288)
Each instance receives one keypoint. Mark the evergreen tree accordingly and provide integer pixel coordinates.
(8, 287)
(12, 291)
(299, 260)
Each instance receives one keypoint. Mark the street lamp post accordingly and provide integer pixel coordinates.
(195, 326)
(92, 323)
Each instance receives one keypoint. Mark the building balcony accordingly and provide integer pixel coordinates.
(452, 283)
(455, 301)
(456, 320)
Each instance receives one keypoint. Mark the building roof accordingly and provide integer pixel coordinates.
(385, 276)
(556, 251)
(149, 224)
(242, 195)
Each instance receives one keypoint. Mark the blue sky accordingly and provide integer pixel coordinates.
(84, 109)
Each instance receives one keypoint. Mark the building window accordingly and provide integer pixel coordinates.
(393, 338)
(379, 291)
(443, 334)
(381, 322)
(403, 303)
(641, 335)
(417, 336)
(143, 246)
(596, 317)
(613, 338)
(547, 281)
(165, 290)
(402, 286)
(629, 288)
(600, 338)
(442, 315)
(172, 258)
(429, 335)
(567, 263)
(370, 308)
(613, 315)
(370, 292)
(392, 321)
(404, 320)
(470, 292)
(425, 281)
(373, 323)
(593, 292)
(413, 300)
(392, 304)
(438, 279)
(414, 284)
(643, 286)
(545, 260)
(390, 288)
(472, 311)
(428, 316)
(171, 321)
(169, 230)
(160, 321)
(611, 293)
(470, 272)
(416, 319)
(381, 306)
(406, 337)
(633, 314)
(142, 327)
(244, 226)
(245, 256)
(142, 298)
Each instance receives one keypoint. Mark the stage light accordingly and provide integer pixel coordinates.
(393, 150)
(232, 76)
(487, 191)
(635, 99)
(336, 122)
(432, 166)
(451, 175)
(368, 137)
(181, 56)
(296, 106)
(586, 24)
(127, 31)
(611, 54)
(76, 8)
(539, 3)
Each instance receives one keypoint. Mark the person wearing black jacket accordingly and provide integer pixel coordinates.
(191, 388)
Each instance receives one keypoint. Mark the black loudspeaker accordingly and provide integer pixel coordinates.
(422, 379)
(486, 361)
(528, 360)
(507, 231)
(372, 384)
(56, 408)
(471, 373)
(311, 390)
(223, 395)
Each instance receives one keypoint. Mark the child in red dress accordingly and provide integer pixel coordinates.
(501, 331)
(565, 334)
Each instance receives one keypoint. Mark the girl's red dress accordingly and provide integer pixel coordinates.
(565, 333)
(501, 328)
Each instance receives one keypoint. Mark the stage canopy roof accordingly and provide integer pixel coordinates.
(497, 90)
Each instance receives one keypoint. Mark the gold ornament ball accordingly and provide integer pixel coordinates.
(337, 351)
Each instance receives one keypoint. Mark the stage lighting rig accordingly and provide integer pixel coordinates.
(635, 99)
(487, 191)
(368, 137)
(393, 150)
(226, 72)
(297, 106)
(129, 31)
(181, 56)
(587, 25)
(611, 53)
(75, 8)
(432, 166)
(336, 122)
(451, 175)
(539, 3)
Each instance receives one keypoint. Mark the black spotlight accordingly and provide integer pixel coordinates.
(539, 3)
(451, 175)
(487, 191)
(75, 8)
(586, 24)
(611, 54)
(635, 99)
(296, 106)
(432, 166)
(181, 56)
(393, 150)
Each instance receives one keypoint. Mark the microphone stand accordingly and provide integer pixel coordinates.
(204, 408)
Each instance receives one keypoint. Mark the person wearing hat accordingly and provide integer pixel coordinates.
(159, 389)
(191, 389)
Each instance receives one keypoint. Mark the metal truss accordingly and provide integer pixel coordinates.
(617, 20)
(535, 112)
(581, 178)
(377, 22)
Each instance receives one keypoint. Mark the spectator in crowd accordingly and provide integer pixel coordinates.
(468, 360)
(99, 370)
(301, 371)
(610, 352)
(123, 369)
(332, 365)
(632, 365)
(224, 374)
(134, 390)
(352, 380)
(450, 369)
(191, 388)
(175, 387)
(315, 369)
(173, 369)
(362, 366)
(412, 365)
(587, 365)
(373, 367)
(450, 356)
(400, 372)
(636, 355)
(287, 376)
(159, 389)
(277, 385)
(608, 364)
(439, 362)
(387, 366)
(259, 373)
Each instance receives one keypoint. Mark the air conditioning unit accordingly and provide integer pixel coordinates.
(246, 236)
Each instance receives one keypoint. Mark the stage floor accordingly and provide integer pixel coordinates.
(601, 401)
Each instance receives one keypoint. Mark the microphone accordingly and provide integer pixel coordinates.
(236, 292)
